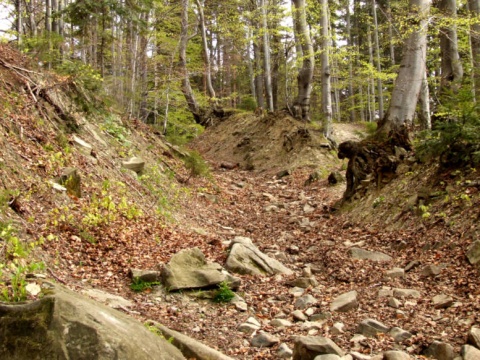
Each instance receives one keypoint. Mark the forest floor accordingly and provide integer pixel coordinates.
(282, 215)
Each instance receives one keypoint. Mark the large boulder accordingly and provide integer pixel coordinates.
(473, 253)
(67, 325)
(245, 258)
(188, 269)
(309, 347)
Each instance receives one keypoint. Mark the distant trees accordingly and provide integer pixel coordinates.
(246, 54)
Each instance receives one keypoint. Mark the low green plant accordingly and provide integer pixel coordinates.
(139, 285)
(224, 293)
(15, 264)
(378, 201)
(196, 165)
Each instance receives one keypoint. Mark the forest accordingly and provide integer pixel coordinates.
(338, 60)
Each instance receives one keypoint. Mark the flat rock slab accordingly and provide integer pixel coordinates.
(345, 302)
(67, 325)
(371, 327)
(114, 301)
(135, 164)
(473, 253)
(362, 254)
(440, 351)
(190, 348)
(246, 259)
(188, 269)
(308, 347)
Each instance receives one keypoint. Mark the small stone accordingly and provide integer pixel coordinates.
(371, 328)
(395, 355)
(253, 321)
(262, 340)
(33, 289)
(470, 353)
(308, 347)
(337, 328)
(395, 273)
(361, 254)
(404, 293)
(135, 164)
(304, 282)
(84, 147)
(359, 356)
(394, 303)
(345, 302)
(284, 352)
(399, 314)
(474, 337)
(296, 291)
(327, 357)
(298, 315)
(442, 301)
(144, 275)
(309, 325)
(321, 316)
(431, 270)
(280, 323)
(247, 328)
(385, 292)
(304, 302)
(309, 311)
(399, 335)
(411, 265)
(473, 253)
(440, 351)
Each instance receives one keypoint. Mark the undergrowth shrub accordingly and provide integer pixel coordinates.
(455, 138)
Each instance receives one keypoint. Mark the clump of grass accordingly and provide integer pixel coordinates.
(138, 285)
(223, 293)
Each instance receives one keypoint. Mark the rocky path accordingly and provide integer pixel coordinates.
(414, 288)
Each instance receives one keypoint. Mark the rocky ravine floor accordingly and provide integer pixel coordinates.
(287, 220)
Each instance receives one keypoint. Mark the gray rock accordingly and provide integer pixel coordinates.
(262, 340)
(280, 323)
(245, 258)
(474, 337)
(67, 325)
(362, 254)
(395, 355)
(385, 292)
(345, 302)
(470, 353)
(304, 302)
(284, 352)
(298, 315)
(312, 325)
(395, 273)
(303, 282)
(308, 347)
(84, 147)
(70, 179)
(188, 269)
(394, 303)
(442, 301)
(328, 357)
(406, 293)
(135, 164)
(247, 328)
(337, 328)
(371, 328)
(144, 275)
(411, 265)
(321, 316)
(190, 348)
(399, 335)
(431, 270)
(113, 301)
(440, 351)
(359, 356)
(473, 253)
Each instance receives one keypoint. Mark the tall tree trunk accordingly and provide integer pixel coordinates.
(305, 75)
(474, 6)
(379, 65)
(412, 71)
(451, 67)
(326, 87)
(424, 102)
(19, 21)
(258, 74)
(266, 57)
(371, 86)
(206, 55)
(182, 50)
(351, 94)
